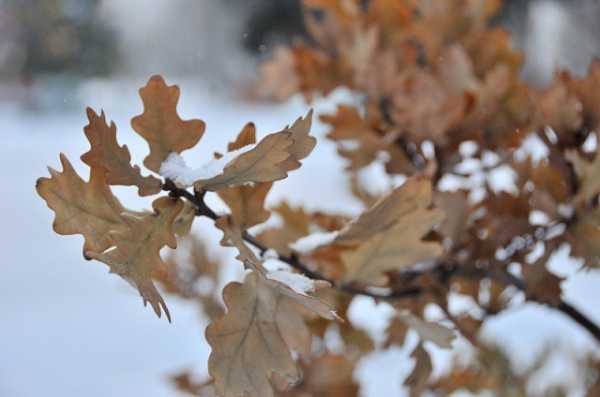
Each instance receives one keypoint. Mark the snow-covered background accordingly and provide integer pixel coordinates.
(68, 328)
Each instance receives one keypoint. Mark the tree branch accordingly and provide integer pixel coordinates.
(444, 270)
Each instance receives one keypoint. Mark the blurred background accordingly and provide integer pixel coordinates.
(70, 329)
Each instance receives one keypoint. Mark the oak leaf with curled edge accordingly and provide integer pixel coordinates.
(86, 208)
(136, 254)
(161, 126)
(106, 153)
(270, 160)
(251, 344)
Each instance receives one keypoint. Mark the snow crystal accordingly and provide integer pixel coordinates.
(309, 243)
(176, 169)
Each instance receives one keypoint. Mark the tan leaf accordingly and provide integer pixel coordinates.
(247, 136)
(584, 236)
(418, 378)
(296, 224)
(541, 283)
(394, 249)
(589, 177)
(414, 194)
(233, 237)
(182, 225)
(161, 126)
(247, 203)
(270, 160)
(106, 153)
(251, 344)
(86, 208)
(136, 254)
(429, 331)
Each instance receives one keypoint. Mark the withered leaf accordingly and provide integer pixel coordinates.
(247, 136)
(251, 343)
(394, 249)
(428, 331)
(161, 126)
(86, 208)
(414, 194)
(270, 160)
(584, 236)
(418, 378)
(589, 177)
(106, 153)
(136, 254)
(247, 203)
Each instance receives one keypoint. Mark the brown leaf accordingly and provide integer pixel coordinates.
(584, 236)
(414, 194)
(589, 177)
(418, 378)
(247, 203)
(394, 249)
(247, 136)
(296, 224)
(233, 237)
(106, 153)
(182, 225)
(327, 376)
(136, 254)
(161, 126)
(270, 160)
(428, 331)
(86, 208)
(251, 344)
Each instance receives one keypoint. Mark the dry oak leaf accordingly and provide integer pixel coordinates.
(589, 177)
(584, 236)
(428, 331)
(270, 160)
(414, 194)
(296, 224)
(418, 378)
(251, 344)
(246, 202)
(86, 208)
(233, 237)
(161, 126)
(394, 249)
(106, 153)
(136, 255)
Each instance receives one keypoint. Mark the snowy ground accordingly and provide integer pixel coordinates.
(70, 329)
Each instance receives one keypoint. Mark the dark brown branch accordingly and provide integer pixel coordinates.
(444, 271)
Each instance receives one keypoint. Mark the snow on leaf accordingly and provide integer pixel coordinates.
(136, 254)
(161, 126)
(86, 208)
(309, 243)
(106, 153)
(252, 343)
(394, 249)
(414, 194)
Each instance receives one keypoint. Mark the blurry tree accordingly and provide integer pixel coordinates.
(54, 36)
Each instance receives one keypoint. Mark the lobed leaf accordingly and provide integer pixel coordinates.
(161, 126)
(106, 153)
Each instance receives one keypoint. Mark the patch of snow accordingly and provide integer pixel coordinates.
(312, 241)
(533, 147)
(176, 169)
(297, 282)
